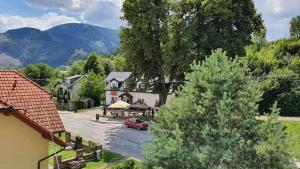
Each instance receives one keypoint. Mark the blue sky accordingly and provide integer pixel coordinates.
(44, 14)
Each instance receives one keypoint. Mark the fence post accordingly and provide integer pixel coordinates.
(57, 161)
(79, 153)
(68, 137)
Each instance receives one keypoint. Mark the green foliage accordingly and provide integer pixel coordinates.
(162, 37)
(128, 164)
(118, 63)
(93, 64)
(289, 103)
(98, 64)
(76, 68)
(106, 64)
(211, 124)
(41, 73)
(92, 86)
(295, 27)
(277, 64)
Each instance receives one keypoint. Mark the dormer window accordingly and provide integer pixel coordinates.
(114, 85)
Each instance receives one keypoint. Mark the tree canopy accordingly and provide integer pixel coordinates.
(76, 68)
(93, 64)
(295, 27)
(162, 37)
(92, 86)
(212, 124)
(41, 73)
(277, 65)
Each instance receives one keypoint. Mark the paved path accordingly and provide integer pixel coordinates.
(282, 118)
(111, 134)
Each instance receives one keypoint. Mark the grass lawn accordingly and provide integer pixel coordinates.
(67, 154)
(293, 129)
(107, 157)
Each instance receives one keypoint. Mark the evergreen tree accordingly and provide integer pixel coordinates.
(93, 64)
(212, 124)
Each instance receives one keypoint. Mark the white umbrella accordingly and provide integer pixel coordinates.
(119, 105)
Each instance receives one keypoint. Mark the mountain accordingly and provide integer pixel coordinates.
(55, 46)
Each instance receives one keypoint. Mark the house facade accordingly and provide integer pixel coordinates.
(116, 89)
(69, 89)
(28, 121)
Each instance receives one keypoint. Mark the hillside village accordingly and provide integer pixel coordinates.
(181, 85)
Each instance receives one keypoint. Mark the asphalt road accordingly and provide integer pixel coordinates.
(113, 135)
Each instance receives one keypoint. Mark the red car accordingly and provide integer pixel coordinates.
(136, 123)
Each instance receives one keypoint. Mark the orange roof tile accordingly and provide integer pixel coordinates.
(21, 94)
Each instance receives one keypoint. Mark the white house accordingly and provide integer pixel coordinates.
(116, 90)
(69, 90)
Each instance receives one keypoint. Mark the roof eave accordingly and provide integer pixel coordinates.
(45, 133)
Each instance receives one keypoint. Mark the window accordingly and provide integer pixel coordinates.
(114, 99)
(114, 85)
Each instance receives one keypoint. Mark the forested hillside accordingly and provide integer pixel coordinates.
(56, 46)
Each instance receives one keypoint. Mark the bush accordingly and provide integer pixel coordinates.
(289, 104)
(128, 164)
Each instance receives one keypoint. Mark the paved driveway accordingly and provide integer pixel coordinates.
(111, 134)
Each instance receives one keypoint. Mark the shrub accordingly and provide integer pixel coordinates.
(289, 103)
(128, 164)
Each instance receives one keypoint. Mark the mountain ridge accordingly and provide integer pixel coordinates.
(56, 45)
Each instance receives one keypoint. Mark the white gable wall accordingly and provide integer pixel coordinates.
(74, 91)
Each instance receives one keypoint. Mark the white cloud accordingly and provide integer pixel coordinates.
(69, 5)
(98, 12)
(44, 22)
(276, 15)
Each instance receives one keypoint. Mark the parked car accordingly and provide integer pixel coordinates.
(136, 123)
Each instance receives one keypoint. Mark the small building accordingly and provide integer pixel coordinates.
(28, 120)
(116, 89)
(69, 89)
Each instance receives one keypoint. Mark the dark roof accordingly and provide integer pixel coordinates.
(119, 76)
(21, 94)
(73, 79)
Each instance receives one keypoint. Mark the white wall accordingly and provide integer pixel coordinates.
(149, 98)
(74, 92)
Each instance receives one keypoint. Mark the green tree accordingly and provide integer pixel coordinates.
(226, 24)
(76, 68)
(118, 63)
(212, 124)
(295, 27)
(163, 37)
(41, 73)
(92, 86)
(105, 64)
(277, 65)
(93, 64)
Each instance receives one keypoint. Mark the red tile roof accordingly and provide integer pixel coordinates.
(25, 96)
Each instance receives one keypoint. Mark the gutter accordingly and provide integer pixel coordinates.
(39, 162)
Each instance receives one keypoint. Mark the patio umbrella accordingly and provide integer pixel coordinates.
(119, 105)
(139, 105)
